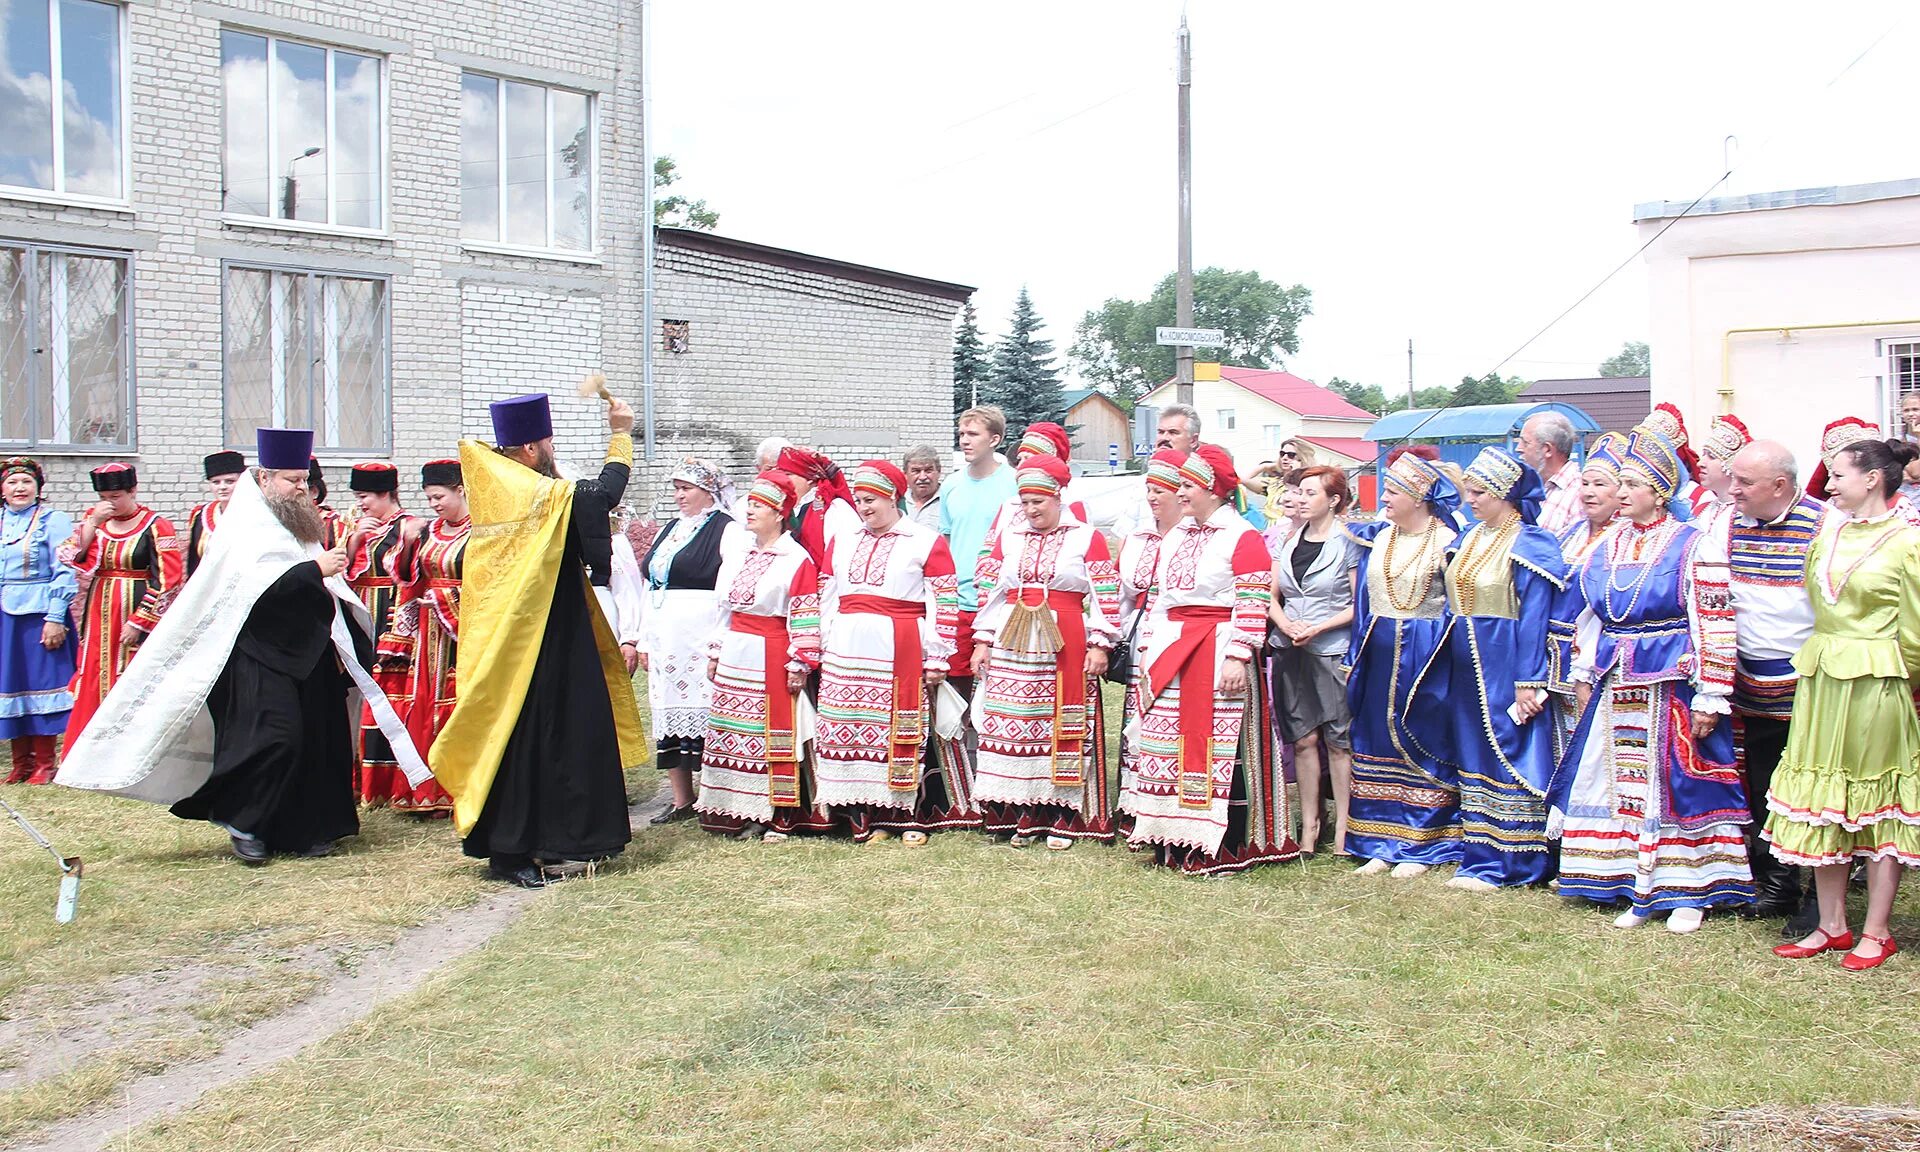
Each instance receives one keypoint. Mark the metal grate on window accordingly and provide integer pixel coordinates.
(65, 348)
(308, 350)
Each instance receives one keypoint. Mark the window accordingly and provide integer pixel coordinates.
(1272, 434)
(71, 47)
(64, 354)
(1903, 376)
(527, 165)
(1223, 420)
(307, 350)
(304, 139)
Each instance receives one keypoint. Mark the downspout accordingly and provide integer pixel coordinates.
(1726, 345)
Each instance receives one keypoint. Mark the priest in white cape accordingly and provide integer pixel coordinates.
(240, 707)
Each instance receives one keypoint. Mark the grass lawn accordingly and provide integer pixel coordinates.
(710, 994)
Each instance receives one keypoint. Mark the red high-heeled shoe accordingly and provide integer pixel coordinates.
(1832, 943)
(1853, 963)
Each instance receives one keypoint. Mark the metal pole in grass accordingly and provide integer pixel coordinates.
(70, 869)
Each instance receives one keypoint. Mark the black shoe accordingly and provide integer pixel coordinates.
(524, 876)
(1803, 922)
(673, 815)
(314, 851)
(251, 852)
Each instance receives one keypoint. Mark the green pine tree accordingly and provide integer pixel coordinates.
(970, 366)
(1025, 383)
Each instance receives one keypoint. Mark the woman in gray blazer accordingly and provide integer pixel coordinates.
(1313, 573)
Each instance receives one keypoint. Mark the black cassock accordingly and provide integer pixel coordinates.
(560, 792)
(282, 738)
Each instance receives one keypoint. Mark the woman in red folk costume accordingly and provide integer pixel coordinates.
(1045, 627)
(827, 514)
(1218, 805)
(317, 490)
(753, 765)
(223, 471)
(1139, 557)
(424, 643)
(380, 548)
(136, 564)
(888, 615)
(1039, 440)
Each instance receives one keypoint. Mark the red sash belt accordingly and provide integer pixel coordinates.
(908, 728)
(444, 582)
(1190, 651)
(783, 751)
(373, 582)
(1069, 686)
(125, 573)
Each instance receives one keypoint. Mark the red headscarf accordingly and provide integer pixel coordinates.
(881, 477)
(776, 490)
(1043, 475)
(816, 470)
(1225, 479)
(1045, 437)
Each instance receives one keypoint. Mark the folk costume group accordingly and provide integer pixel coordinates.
(1662, 679)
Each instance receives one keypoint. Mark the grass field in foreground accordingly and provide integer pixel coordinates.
(821, 995)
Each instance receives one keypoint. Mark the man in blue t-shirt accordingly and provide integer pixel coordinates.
(969, 501)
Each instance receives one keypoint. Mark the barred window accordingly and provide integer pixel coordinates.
(65, 353)
(75, 146)
(307, 350)
(527, 171)
(303, 132)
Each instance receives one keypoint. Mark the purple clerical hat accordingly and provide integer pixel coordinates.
(521, 420)
(284, 449)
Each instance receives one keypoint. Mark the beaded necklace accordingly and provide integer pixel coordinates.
(1639, 536)
(1421, 566)
(1474, 556)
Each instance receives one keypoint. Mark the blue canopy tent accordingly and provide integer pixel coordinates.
(1460, 433)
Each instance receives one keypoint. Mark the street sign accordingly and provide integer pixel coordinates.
(1113, 457)
(1191, 337)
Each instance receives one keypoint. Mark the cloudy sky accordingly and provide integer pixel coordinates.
(1455, 174)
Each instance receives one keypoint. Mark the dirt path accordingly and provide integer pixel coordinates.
(383, 975)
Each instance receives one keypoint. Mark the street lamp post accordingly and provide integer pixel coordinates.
(289, 197)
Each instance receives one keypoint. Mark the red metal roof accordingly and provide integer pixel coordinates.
(1293, 393)
(1352, 447)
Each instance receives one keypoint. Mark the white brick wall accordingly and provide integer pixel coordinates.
(853, 367)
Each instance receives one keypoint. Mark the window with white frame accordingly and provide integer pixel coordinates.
(65, 378)
(1903, 371)
(1223, 420)
(1272, 434)
(528, 167)
(75, 145)
(307, 350)
(304, 133)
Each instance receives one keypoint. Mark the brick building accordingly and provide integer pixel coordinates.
(372, 219)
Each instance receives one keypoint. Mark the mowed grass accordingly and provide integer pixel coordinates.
(177, 943)
(821, 995)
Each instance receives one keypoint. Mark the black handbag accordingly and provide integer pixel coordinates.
(1120, 660)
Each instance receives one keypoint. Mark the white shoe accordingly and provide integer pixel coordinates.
(1472, 884)
(1407, 870)
(1630, 919)
(1059, 843)
(1683, 921)
(915, 839)
(1372, 868)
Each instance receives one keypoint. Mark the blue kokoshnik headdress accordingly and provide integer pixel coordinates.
(1510, 478)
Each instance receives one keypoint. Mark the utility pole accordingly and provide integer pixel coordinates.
(1183, 282)
(1409, 371)
(647, 335)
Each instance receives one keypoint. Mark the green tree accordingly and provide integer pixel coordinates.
(1492, 388)
(1024, 382)
(1633, 359)
(970, 366)
(1114, 344)
(676, 211)
(1378, 401)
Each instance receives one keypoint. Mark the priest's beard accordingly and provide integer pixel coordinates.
(543, 461)
(299, 515)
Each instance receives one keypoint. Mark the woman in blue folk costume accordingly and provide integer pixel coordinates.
(1647, 793)
(1404, 813)
(1501, 582)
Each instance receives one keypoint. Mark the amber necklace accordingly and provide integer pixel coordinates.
(1831, 590)
(1474, 555)
(1421, 568)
